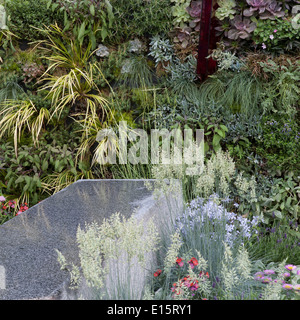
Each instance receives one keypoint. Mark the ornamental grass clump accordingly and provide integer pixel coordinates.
(236, 281)
(114, 257)
(216, 176)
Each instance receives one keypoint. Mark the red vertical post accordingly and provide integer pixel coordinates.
(206, 39)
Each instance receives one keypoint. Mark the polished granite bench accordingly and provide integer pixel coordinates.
(28, 259)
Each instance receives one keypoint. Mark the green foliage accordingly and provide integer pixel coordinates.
(85, 18)
(136, 73)
(161, 50)
(182, 77)
(226, 9)
(237, 91)
(277, 241)
(280, 144)
(140, 18)
(23, 175)
(217, 132)
(179, 12)
(242, 133)
(281, 91)
(19, 118)
(282, 201)
(25, 16)
(75, 87)
(11, 91)
(111, 66)
(277, 35)
(10, 71)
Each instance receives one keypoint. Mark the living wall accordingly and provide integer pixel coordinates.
(71, 69)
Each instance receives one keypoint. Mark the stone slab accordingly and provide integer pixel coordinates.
(28, 258)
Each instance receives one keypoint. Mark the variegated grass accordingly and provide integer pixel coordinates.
(76, 86)
(18, 116)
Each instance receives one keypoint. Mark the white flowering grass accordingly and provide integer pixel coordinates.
(216, 176)
(114, 257)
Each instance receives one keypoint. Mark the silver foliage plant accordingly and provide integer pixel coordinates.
(161, 50)
(211, 215)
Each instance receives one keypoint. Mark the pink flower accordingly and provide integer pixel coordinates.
(275, 30)
(290, 267)
(269, 271)
(266, 280)
(287, 286)
(179, 261)
(259, 275)
(263, 46)
(271, 37)
(2, 199)
(297, 287)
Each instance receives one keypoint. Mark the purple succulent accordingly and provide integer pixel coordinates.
(194, 9)
(267, 9)
(273, 10)
(241, 28)
(256, 5)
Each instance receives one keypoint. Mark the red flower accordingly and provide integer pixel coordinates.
(202, 273)
(157, 273)
(179, 261)
(193, 262)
